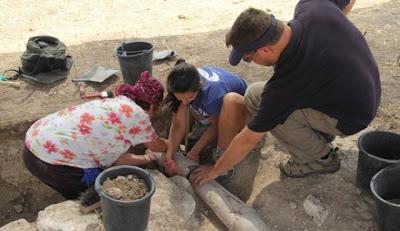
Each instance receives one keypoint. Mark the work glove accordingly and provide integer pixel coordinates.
(89, 175)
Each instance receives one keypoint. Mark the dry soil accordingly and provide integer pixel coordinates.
(195, 30)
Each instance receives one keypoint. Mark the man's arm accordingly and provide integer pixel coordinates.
(238, 149)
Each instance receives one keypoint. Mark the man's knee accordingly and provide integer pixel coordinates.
(234, 106)
(252, 97)
(233, 98)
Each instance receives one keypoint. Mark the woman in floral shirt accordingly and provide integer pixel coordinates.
(63, 149)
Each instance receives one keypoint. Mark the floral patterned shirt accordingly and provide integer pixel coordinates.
(93, 134)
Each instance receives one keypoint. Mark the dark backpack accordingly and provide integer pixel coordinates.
(43, 54)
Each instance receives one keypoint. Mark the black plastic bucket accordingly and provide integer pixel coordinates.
(134, 57)
(377, 150)
(385, 186)
(125, 215)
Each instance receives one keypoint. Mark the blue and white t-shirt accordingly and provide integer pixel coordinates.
(216, 83)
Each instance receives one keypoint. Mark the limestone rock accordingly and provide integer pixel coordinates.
(292, 205)
(314, 208)
(20, 225)
(18, 208)
(66, 216)
(171, 207)
(183, 183)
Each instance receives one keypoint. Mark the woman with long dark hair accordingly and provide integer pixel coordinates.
(209, 94)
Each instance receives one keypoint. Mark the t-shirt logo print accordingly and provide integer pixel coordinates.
(209, 76)
(200, 111)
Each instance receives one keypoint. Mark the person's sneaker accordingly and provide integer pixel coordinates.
(197, 131)
(216, 153)
(322, 166)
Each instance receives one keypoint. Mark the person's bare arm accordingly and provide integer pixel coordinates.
(157, 145)
(207, 137)
(349, 6)
(239, 148)
(132, 159)
(177, 130)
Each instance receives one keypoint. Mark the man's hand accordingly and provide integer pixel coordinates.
(203, 173)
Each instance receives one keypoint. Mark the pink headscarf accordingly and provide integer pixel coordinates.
(147, 89)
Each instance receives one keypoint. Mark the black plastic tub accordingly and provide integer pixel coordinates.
(377, 150)
(125, 215)
(385, 186)
(134, 57)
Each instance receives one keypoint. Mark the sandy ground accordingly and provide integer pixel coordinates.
(195, 30)
(77, 22)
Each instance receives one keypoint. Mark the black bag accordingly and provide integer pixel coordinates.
(43, 54)
(43, 61)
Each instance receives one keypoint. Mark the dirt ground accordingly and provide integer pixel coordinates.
(195, 30)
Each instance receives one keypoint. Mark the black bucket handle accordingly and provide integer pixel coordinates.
(131, 52)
